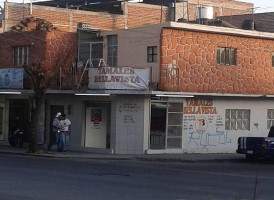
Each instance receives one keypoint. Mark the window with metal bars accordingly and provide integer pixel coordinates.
(20, 56)
(152, 54)
(237, 119)
(226, 56)
(270, 118)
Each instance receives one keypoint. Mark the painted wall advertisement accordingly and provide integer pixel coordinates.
(203, 124)
(121, 78)
(11, 78)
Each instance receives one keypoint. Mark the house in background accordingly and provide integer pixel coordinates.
(31, 41)
(115, 15)
(258, 21)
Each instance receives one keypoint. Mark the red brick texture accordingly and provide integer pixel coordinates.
(52, 48)
(137, 14)
(194, 56)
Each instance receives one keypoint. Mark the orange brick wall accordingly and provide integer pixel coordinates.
(223, 8)
(140, 15)
(194, 54)
(44, 46)
(137, 14)
(65, 19)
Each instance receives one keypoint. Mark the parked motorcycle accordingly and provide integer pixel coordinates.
(17, 138)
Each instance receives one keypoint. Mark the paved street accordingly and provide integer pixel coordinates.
(39, 178)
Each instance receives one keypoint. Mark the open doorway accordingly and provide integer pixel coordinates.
(19, 116)
(158, 125)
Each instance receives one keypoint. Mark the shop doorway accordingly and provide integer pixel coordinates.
(2, 108)
(158, 125)
(166, 125)
(19, 116)
(98, 126)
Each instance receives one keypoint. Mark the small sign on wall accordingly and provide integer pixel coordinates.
(11, 78)
(96, 117)
(121, 78)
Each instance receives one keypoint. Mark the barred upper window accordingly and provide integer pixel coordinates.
(270, 118)
(112, 50)
(237, 119)
(226, 56)
(20, 56)
(152, 54)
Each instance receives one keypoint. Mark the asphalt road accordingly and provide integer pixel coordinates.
(33, 178)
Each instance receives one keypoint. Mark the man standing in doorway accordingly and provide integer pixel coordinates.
(56, 129)
(65, 133)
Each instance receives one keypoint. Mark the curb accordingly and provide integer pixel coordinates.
(152, 158)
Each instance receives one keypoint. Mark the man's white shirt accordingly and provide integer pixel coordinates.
(65, 124)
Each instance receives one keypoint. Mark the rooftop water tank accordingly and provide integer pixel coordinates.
(204, 12)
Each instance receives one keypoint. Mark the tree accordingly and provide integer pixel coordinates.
(40, 79)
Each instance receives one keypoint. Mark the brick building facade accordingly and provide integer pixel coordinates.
(51, 47)
(133, 14)
(194, 54)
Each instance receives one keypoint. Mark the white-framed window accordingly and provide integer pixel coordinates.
(152, 54)
(226, 56)
(270, 118)
(21, 56)
(112, 50)
(237, 119)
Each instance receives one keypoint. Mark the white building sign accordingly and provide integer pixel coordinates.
(11, 78)
(119, 78)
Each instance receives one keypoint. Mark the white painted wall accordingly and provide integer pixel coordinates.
(129, 123)
(225, 141)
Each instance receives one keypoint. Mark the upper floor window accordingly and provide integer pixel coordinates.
(112, 50)
(92, 51)
(152, 54)
(226, 56)
(21, 56)
(272, 59)
(237, 119)
(270, 118)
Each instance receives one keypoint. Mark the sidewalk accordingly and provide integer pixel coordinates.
(152, 157)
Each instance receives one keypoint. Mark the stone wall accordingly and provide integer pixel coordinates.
(48, 47)
(189, 63)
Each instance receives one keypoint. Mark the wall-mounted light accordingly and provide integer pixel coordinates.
(10, 92)
(174, 95)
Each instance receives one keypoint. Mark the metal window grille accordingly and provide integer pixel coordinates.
(21, 56)
(92, 51)
(152, 54)
(112, 50)
(270, 118)
(237, 119)
(226, 56)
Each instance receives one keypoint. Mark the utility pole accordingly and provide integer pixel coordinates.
(174, 10)
(253, 18)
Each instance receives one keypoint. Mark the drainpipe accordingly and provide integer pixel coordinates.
(125, 12)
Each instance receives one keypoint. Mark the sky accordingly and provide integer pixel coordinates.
(260, 5)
